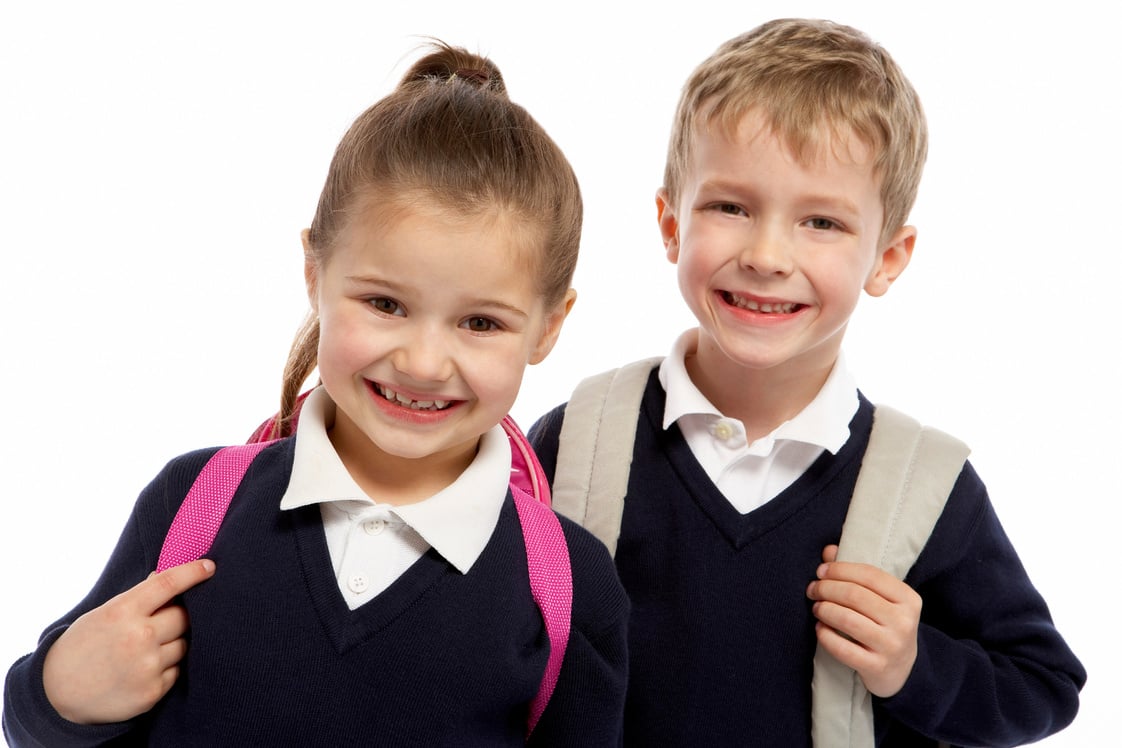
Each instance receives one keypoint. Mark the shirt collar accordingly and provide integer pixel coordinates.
(458, 521)
(823, 422)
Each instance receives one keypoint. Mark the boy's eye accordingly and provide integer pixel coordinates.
(731, 209)
(481, 324)
(387, 306)
(821, 224)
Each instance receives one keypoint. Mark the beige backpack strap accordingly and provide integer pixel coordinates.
(595, 447)
(906, 475)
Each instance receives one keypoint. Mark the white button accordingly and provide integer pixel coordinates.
(374, 526)
(358, 584)
(723, 430)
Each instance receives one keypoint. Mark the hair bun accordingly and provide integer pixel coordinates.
(446, 63)
(477, 76)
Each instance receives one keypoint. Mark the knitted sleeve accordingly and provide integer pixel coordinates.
(29, 719)
(992, 669)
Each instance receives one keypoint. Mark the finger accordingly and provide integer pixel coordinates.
(167, 680)
(169, 623)
(172, 653)
(830, 553)
(849, 622)
(159, 589)
(849, 595)
(845, 650)
(870, 577)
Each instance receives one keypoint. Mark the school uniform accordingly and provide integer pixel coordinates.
(718, 545)
(303, 637)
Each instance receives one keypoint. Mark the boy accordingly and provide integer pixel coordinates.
(794, 161)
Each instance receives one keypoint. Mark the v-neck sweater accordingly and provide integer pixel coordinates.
(275, 657)
(722, 634)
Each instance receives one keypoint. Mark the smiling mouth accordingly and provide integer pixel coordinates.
(786, 307)
(399, 399)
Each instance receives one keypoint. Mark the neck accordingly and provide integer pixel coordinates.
(761, 399)
(395, 480)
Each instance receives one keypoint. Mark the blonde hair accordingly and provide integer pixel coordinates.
(448, 132)
(811, 80)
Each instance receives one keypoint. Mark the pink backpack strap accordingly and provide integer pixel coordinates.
(551, 585)
(525, 470)
(547, 556)
(200, 515)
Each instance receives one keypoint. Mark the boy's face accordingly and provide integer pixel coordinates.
(773, 254)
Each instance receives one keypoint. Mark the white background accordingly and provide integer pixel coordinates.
(158, 160)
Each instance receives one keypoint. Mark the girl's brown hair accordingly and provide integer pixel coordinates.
(450, 133)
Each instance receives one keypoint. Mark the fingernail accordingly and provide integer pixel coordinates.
(208, 565)
(822, 570)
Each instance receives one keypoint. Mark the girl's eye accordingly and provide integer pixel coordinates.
(481, 324)
(387, 306)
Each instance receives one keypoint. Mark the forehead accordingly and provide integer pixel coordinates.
(478, 226)
(819, 144)
(428, 250)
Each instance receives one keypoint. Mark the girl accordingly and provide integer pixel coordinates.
(370, 583)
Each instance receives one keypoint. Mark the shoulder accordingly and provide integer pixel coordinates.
(164, 494)
(181, 471)
(599, 599)
(633, 381)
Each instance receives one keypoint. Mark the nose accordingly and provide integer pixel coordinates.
(424, 356)
(767, 250)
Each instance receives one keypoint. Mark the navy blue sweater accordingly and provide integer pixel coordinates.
(722, 635)
(276, 658)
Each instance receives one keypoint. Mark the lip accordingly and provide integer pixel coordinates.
(758, 309)
(401, 412)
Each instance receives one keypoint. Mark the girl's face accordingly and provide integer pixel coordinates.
(427, 322)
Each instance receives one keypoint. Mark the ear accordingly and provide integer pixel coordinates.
(552, 329)
(667, 224)
(310, 270)
(891, 261)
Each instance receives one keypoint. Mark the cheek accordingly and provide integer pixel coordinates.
(496, 377)
(343, 342)
(694, 276)
(841, 284)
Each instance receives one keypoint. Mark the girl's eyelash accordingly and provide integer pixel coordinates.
(386, 305)
(490, 324)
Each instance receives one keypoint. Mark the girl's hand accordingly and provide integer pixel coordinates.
(119, 659)
(868, 620)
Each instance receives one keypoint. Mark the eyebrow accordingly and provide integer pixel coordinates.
(495, 304)
(396, 288)
(828, 202)
(840, 204)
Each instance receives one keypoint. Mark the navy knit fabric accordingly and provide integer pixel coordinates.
(276, 658)
(722, 635)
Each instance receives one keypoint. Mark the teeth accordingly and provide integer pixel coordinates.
(766, 308)
(402, 400)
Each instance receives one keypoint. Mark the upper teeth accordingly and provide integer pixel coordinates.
(414, 404)
(767, 308)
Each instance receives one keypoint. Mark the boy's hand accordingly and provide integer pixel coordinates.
(868, 620)
(120, 658)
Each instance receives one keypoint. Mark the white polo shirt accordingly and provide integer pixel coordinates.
(750, 475)
(372, 544)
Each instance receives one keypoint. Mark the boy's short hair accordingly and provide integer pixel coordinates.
(811, 79)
